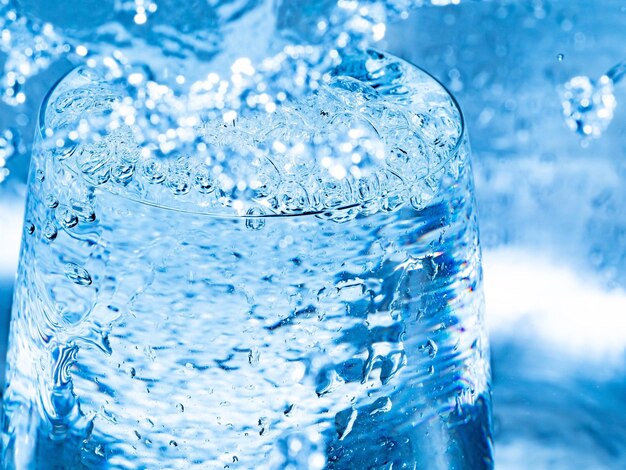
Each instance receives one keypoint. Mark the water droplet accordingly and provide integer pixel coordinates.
(77, 275)
(588, 105)
(560, 57)
(180, 407)
(29, 227)
(235, 459)
(173, 443)
(132, 372)
(49, 231)
(430, 347)
(51, 201)
(253, 222)
(39, 175)
(137, 435)
(66, 217)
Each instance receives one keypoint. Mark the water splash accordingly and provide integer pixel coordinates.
(175, 36)
(345, 139)
(588, 105)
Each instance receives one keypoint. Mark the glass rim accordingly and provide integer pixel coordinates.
(452, 152)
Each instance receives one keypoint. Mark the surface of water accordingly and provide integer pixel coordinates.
(159, 321)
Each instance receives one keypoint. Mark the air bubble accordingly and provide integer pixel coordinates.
(123, 172)
(51, 201)
(178, 182)
(268, 178)
(180, 407)
(293, 198)
(29, 227)
(77, 274)
(253, 222)
(65, 151)
(203, 180)
(49, 231)
(83, 210)
(40, 176)
(92, 161)
(154, 172)
(66, 217)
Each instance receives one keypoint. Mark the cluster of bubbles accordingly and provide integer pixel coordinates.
(588, 105)
(29, 46)
(371, 134)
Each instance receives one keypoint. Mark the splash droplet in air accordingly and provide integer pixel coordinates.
(77, 274)
(588, 105)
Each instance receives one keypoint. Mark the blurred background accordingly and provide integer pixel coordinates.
(552, 213)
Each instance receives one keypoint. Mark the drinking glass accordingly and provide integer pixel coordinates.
(304, 291)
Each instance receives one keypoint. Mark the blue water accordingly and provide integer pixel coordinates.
(178, 313)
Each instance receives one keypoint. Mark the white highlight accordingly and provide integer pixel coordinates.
(565, 309)
(11, 220)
